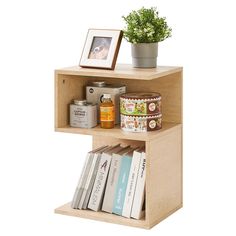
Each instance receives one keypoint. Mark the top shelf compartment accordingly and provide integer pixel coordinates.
(122, 71)
(70, 84)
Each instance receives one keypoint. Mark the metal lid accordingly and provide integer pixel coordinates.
(142, 96)
(99, 83)
(80, 102)
(114, 85)
(149, 116)
(102, 84)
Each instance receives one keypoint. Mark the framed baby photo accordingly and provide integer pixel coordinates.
(101, 48)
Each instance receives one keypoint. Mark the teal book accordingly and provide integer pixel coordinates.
(122, 184)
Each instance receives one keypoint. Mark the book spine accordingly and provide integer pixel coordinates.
(78, 190)
(129, 195)
(121, 185)
(88, 180)
(100, 181)
(111, 183)
(139, 190)
(86, 200)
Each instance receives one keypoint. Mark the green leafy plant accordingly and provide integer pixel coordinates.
(145, 26)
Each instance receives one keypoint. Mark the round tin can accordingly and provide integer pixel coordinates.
(141, 123)
(83, 114)
(140, 104)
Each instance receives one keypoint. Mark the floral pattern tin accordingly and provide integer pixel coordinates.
(141, 123)
(139, 104)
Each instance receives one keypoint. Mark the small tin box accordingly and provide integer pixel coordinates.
(83, 114)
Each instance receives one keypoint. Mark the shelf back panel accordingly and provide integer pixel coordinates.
(98, 142)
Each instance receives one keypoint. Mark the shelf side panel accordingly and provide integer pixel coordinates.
(164, 176)
(67, 88)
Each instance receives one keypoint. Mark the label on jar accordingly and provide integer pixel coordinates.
(107, 113)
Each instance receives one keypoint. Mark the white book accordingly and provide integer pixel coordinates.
(101, 178)
(112, 179)
(78, 190)
(132, 180)
(87, 180)
(82, 179)
(136, 211)
(91, 178)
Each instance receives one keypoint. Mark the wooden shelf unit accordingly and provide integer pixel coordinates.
(163, 147)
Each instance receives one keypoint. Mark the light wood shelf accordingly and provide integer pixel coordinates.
(118, 133)
(122, 71)
(163, 189)
(101, 216)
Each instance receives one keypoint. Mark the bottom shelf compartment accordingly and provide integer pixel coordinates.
(101, 216)
(163, 189)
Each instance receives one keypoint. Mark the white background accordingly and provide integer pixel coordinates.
(39, 168)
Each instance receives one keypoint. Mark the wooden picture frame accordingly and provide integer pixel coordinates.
(101, 48)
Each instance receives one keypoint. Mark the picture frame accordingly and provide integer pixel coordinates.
(101, 48)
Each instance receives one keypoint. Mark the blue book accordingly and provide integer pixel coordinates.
(122, 184)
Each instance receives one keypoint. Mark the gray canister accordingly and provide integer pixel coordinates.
(83, 114)
(144, 55)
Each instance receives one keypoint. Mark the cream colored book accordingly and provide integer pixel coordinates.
(139, 194)
(82, 179)
(101, 177)
(92, 176)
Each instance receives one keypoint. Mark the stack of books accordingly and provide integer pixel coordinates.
(113, 180)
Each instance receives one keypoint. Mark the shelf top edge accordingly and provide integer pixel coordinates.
(123, 71)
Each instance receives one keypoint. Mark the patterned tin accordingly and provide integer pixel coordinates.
(139, 104)
(141, 123)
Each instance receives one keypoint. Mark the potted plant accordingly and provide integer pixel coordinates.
(144, 29)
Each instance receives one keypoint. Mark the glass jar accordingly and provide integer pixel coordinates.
(107, 112)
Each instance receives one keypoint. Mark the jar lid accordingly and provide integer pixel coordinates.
(80, 102)
(141, 96)
(99, 83)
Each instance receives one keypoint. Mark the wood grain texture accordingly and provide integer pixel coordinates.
(66, 90)
(101, 216)
(122, 71)
(119, 133)
(164, 176)
(98, 141)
